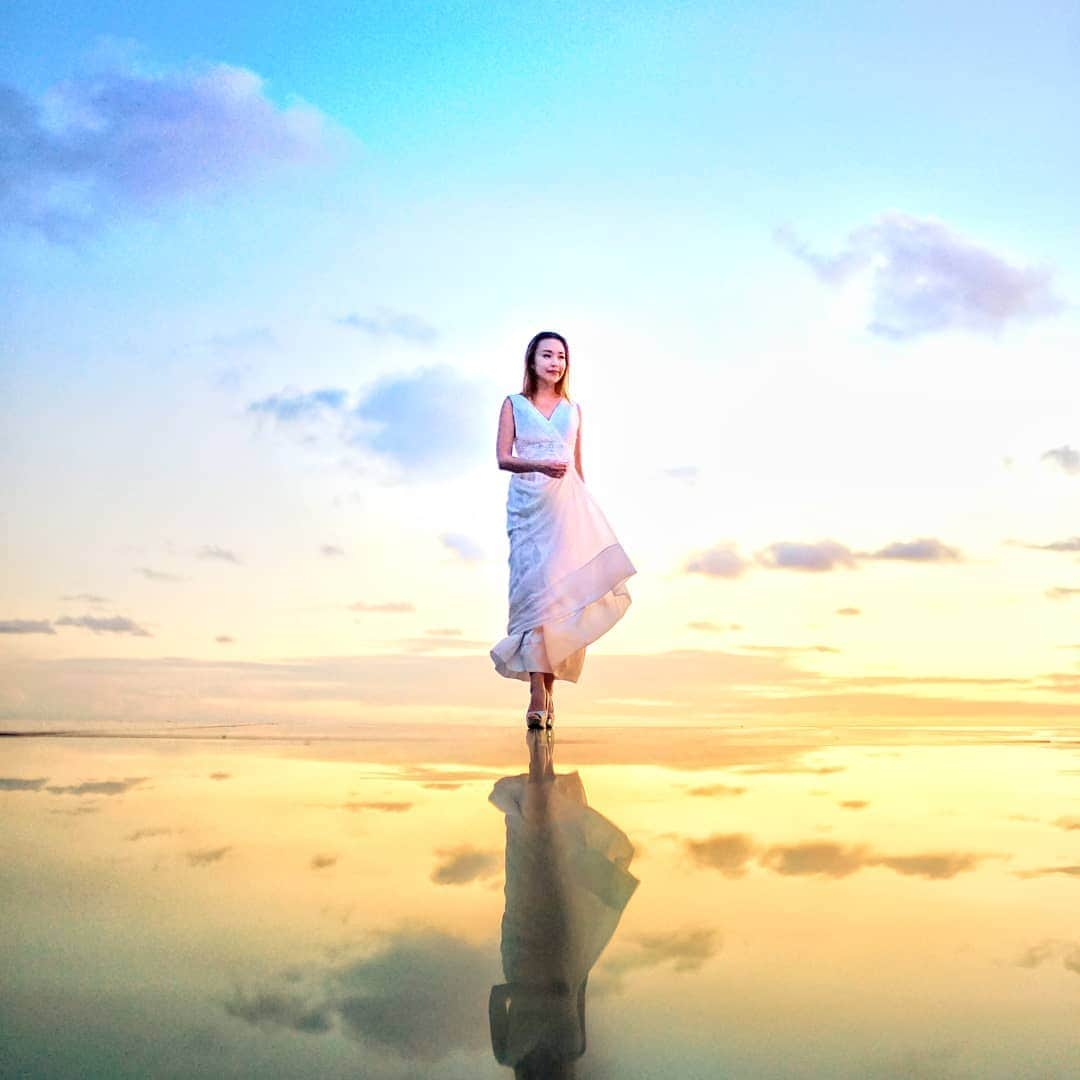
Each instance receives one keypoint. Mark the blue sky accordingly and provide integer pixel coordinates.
(273, 269)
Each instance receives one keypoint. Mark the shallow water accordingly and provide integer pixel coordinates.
(849, 902)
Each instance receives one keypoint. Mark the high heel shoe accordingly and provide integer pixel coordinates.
(535, 719)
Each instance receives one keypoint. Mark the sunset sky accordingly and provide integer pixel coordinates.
(271, 270)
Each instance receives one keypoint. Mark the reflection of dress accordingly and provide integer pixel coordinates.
(567, 883)
(568, 571)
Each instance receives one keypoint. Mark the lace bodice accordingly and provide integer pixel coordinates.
(538, 438)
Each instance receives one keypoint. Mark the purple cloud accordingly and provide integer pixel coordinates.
(1070, 545)
(722, 560)
(112, 142)
(97, 787)
(26, 626)
(926, 278)
(925, 549)
(115, 624)
(790, 555)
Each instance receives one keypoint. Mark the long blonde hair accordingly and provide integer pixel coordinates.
(531, 383)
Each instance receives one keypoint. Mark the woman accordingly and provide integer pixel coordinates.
(568, 572)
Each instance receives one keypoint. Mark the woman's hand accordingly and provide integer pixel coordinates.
(551, 468)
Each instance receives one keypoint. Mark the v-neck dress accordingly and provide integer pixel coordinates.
(568, 571)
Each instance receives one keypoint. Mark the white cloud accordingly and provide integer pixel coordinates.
(426, 422)
(293, 405)
(218, 554)
(387, 323)
(1065, 458)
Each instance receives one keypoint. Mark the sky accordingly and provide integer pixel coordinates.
(270, 272)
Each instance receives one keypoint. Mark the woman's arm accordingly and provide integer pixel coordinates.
(577, 447)
(504, 446)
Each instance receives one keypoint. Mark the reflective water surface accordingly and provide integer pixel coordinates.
(778, 902)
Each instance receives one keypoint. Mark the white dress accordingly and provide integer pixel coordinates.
(568, 571)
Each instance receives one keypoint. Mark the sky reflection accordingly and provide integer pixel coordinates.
(830, 903)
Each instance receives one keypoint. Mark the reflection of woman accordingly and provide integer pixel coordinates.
(568, 572)
(567, 882)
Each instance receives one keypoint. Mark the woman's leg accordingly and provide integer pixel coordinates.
(535, 657)
(537, 691)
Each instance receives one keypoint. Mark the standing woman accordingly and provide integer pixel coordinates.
(568, 571)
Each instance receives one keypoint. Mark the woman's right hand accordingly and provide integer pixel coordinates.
(551, 468)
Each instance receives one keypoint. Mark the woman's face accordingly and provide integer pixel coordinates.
(550, 360)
